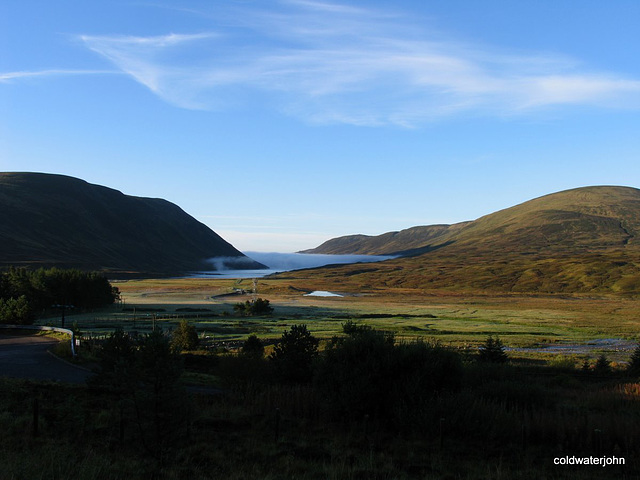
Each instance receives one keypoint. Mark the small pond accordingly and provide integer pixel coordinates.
(322, 293)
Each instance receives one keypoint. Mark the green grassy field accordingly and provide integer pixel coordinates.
(524, 323)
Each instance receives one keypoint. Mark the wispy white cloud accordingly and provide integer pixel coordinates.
(577, 89)
(8, 76)
(156, 62)
(331, 63)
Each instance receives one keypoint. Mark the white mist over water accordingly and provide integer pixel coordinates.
(296, 261)
(284, 262)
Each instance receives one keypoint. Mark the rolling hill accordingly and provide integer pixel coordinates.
(410, 241)
(56, 220)
(579, 240)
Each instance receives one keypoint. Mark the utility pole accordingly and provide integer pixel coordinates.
(62, 307)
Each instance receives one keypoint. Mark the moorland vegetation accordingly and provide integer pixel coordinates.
(367, 407)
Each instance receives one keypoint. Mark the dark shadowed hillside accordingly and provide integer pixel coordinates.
(580, 240)
(58, 220)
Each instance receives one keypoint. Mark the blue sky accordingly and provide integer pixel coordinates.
(281, 124)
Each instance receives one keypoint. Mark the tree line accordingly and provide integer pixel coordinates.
(25, 293)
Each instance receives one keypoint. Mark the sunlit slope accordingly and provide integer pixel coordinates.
(582, 219)
(580, 240)
(58, 220)
(410, 241)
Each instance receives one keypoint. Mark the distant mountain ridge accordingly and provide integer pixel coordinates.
(588, 216)
(410, 241)
(579, 240)
(48, 220)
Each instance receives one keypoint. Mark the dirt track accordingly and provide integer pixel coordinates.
(26, 356)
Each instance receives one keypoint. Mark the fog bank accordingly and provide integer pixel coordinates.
(224, 267)
(296, 261)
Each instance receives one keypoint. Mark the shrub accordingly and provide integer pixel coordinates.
(62, 349)
(563, 362)
(423, 369)
(244, 370)
(146, 376)
(355, 375)
(185, 337)
(200, 361)
(492, 351)
(253, 347)
(161, 407)
(293, 357)
(116, 362)
(352, 328)
(586, 365)
(16, 311)
(367, 374)
(258, 306)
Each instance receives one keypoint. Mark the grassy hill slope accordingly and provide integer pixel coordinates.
(580, 240)
(405, 242)
(58, 220)
(581, 219)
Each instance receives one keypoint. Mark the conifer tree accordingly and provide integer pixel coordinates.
(492, 351)
(602, 365)
(634, 362)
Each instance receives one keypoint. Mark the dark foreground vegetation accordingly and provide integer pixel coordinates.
(26, 293)
(362, 407)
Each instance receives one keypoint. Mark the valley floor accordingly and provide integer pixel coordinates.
(462, 320)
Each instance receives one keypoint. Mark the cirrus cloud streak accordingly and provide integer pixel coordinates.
(331, 63)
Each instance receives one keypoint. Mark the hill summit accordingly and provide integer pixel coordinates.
(579, 240)
(56, 220)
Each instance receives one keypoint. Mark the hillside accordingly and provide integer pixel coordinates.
(63, 221)
(410, 241)
(580, 240)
